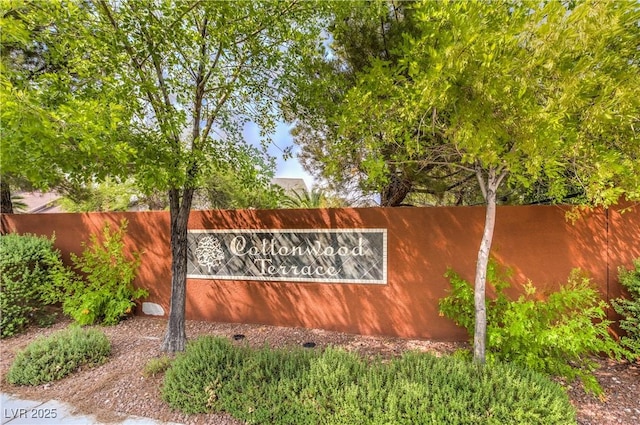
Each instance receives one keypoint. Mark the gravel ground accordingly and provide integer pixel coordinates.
(119, 388)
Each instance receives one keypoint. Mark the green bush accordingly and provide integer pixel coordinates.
(277, 386)
(104, 293)
(51, 358)
(557, 336)
(28, 264)
(630, 308)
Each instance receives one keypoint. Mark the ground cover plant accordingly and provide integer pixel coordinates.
(51, 358)
(629, 308)
(27, 265)
(558, 335)
(157, 366)
(298, 386)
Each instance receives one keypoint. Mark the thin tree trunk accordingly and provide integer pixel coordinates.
(489, 190)
(175, 338)
(6, 205)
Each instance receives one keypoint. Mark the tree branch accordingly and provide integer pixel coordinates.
(200, 85)
(426, 163)
(481, 182)
(138, 65)
(213, 66)
(501, 177)
(223, 99)
(267, 23)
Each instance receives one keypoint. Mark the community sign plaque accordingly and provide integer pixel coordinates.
(303, 255)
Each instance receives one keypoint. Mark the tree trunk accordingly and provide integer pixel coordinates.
(175, 338)
(394, 193)
(489, 190)
(6, 206)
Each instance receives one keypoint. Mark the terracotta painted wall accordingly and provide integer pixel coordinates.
(537, 242)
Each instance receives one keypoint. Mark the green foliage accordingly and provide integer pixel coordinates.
(28, 265)
(277, 386)
(105, 294)
(51, 358)
(556, 336)
(495, 89)
(361, 33)
(181, 138)
(498, 86)
(241, 178)
(155, 91)
(157, 366)
(62, 120)
(106, 196)
(629, 308)
(315, 198)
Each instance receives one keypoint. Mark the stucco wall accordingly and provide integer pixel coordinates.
(537, 242)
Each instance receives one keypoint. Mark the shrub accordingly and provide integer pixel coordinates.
(556, 336)
(51, 358)
(28, 264)
(106, 293)
(629, 308)
(277, 386)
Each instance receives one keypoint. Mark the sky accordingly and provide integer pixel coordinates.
(289, 168)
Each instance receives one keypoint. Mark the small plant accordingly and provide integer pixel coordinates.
(106, 293)
(28, 265)
(51, 358)
(278, 386)
(557, 336)
(156, 366)
(629, 308)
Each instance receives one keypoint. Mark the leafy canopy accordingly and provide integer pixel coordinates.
(62, 122)
(537, 92)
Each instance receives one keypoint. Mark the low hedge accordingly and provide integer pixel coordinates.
(51, 358)
(276, 386)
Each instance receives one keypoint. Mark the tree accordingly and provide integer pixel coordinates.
(108, 195)
(16, 54)
(196, 72)
(517, 94)
(241, 179)
(6, 204)
(362, 34)
(155, 91)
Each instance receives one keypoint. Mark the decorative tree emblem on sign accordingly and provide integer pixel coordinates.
(209, 252)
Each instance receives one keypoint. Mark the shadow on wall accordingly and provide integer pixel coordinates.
(624, 246)
(277, 303)
(150, 233)
(422, 244)
(539, 244)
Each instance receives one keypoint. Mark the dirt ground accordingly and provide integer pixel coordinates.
(119, 388)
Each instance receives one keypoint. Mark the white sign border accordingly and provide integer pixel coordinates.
(382, 281)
